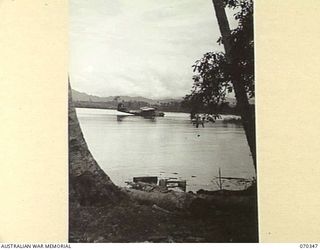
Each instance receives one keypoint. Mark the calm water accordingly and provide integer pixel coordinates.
(170, 146)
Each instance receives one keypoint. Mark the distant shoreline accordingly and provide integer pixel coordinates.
(104, 105)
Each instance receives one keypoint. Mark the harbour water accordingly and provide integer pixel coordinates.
(168, 147)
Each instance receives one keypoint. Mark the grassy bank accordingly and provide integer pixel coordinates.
(132, 221)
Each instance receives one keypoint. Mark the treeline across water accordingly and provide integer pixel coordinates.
(174, 106)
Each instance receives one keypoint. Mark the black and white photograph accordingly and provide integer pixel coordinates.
(162, 138)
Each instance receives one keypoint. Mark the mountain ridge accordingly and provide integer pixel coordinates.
(78, 96)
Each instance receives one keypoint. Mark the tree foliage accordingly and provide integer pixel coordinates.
(212, 79)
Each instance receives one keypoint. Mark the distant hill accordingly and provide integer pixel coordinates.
(83, 97)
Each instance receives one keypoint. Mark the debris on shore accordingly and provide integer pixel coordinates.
(156, 216)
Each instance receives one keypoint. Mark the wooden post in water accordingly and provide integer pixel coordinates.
(220, 180)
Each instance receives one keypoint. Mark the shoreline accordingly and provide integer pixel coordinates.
(98, 105)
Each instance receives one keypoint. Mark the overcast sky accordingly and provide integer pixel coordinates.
(139, 47)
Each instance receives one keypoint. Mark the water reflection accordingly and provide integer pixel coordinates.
(121, 117)
(150, 118)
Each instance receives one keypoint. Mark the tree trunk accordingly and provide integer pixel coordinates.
(247, 113)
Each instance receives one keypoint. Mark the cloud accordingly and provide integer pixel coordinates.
(139, 48)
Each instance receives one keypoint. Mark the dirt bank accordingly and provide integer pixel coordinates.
(205, 220)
